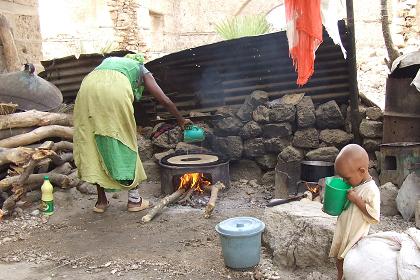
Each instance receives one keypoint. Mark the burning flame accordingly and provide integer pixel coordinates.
(313, 188)
(193, 181)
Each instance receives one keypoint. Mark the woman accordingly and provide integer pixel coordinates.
(105, 142)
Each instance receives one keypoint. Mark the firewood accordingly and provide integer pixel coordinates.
(35, 118)
(37, 135)
(63, 146)
(213, 197)
(16, 156)
(64, 169)
(58, 180)
(26, 177)
(165, 201)
(10, 132)
(186, 197)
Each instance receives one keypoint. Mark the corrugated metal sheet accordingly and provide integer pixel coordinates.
(224, 73)
(68, 72)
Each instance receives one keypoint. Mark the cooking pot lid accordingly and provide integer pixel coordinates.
(192, 159)
(317, 163)
(240, 226)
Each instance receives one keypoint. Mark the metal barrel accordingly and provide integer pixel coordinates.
(402, 111)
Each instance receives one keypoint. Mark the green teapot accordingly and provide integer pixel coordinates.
(193, 133)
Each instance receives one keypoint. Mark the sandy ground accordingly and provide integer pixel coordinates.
(76, 243)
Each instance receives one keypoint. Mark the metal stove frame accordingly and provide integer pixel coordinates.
(218, 172)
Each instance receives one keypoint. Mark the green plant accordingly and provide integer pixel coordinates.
(109, 47)
(243, 26)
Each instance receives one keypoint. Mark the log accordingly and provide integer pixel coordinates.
(213, 197)
(10, 52)
(63, 146)
(10, 132)
(165, 201)
(38, 135)
(186, 198)
(58, 180)
(65, 169)
(16, 156)
(35, 118)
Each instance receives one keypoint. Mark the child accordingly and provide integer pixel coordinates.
(352, 165)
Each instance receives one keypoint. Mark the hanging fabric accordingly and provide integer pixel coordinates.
(331, 11)
(304, 34)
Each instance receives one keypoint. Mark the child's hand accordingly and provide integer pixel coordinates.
(352, 196)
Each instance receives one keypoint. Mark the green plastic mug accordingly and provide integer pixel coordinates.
(335, 197)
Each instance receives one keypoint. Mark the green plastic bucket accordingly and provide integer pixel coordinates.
(335, 197)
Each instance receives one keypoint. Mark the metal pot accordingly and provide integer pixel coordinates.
(312, 171)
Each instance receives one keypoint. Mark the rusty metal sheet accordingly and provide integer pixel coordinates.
(402, 112)
(225, 73)
(68, 72)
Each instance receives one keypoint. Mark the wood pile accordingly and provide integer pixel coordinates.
(35, 144)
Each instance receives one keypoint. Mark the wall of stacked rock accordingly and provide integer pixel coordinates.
(262, 133)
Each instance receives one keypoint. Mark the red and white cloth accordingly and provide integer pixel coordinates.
(304, 32)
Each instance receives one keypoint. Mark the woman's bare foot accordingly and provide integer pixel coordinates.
(102, 203)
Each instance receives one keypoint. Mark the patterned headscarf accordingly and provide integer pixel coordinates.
(139, 57)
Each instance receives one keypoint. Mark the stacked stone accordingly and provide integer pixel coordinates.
(286, 130)
(404, 24)
(124, 16)
(371, 128)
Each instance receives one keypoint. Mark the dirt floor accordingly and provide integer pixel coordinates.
(76, 243)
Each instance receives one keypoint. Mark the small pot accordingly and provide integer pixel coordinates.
(312, 171)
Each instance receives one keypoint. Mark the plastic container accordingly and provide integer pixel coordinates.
(335, 198)
(47, 197)
(194, 133)
(241, 241)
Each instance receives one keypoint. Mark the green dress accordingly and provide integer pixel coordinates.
(105, 142)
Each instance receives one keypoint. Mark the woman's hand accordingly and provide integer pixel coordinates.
(184, 122)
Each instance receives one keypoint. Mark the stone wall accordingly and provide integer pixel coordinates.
(23, 18)
(274, 133)
(156, 27)
(370, 46)
(78, 26)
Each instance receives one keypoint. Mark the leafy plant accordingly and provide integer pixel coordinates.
(243, 26)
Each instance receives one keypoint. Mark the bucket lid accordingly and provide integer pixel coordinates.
(240, 226)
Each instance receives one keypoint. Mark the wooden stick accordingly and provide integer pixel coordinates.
(10, 132)
(165, 201)
(213, 197)
(64, 169)
(35, 118)
(37, 135)
(187, 197)
(63, 146)
(16, 156)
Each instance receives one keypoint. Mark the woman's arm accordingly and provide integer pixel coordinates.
(157, 92)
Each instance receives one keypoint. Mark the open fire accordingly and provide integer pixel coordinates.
(195, 181)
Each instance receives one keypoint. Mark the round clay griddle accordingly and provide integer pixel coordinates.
(192, 159)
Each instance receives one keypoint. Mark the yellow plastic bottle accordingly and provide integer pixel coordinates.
(47, 197)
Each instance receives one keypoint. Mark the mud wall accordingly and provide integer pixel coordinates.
(23, 18)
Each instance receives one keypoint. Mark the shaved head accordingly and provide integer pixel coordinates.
(352, 164)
